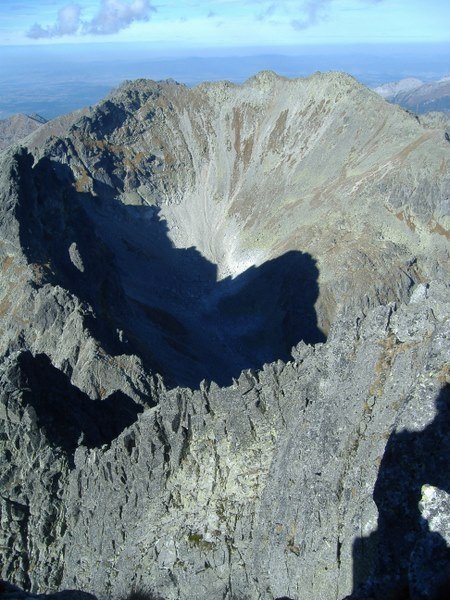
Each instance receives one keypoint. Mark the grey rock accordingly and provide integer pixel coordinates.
(265, 490)
(145, 265)
(434, 507)
(15, 128)
(75, 257)
(429, 570)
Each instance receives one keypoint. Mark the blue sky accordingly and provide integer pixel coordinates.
(59, 55)
(223, 23)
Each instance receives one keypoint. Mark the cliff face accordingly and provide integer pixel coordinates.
(301, 480)
(178, 235)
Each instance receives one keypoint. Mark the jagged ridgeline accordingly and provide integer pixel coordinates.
(214, 381)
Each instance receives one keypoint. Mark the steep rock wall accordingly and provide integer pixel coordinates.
(284, 484)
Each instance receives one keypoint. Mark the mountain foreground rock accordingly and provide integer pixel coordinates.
(224, 331)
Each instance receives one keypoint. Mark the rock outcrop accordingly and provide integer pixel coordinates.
(223, 373)
(303, 480)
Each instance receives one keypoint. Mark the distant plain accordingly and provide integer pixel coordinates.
(59, 79)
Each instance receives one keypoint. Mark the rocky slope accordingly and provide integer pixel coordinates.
(17, 127)
(301, 480)
(173, 235)
(247, 216)
(34, 130)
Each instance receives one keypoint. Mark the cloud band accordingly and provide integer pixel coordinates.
(112, 16)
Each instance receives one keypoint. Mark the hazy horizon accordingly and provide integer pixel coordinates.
(60, 79)
(59, 55)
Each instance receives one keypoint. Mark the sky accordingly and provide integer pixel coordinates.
(223, 23)
(60, 55)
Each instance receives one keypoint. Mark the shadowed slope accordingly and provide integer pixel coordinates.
(403, 552)
(68, 416)
(188, 218)
(160, 302)
(244, 174)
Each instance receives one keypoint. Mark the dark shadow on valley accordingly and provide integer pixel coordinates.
(155, 300)
(68, 416)
(403, 559)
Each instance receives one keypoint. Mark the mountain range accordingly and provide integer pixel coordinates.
(224, 361)
(418, 96)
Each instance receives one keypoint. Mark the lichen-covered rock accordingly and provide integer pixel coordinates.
(429, 570)
(434, 507)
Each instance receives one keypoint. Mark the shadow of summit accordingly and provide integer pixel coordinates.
(403, 559)
(68, 416)
(160, 302)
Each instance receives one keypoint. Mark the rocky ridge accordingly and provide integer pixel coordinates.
(170, 240)
(34, 130)
(282, 485)
(206, 202)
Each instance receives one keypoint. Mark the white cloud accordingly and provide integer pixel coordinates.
(302, 13)
(67, 23)
(112, 16)
(313, 11)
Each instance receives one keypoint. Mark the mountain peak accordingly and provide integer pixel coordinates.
(213, 325)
